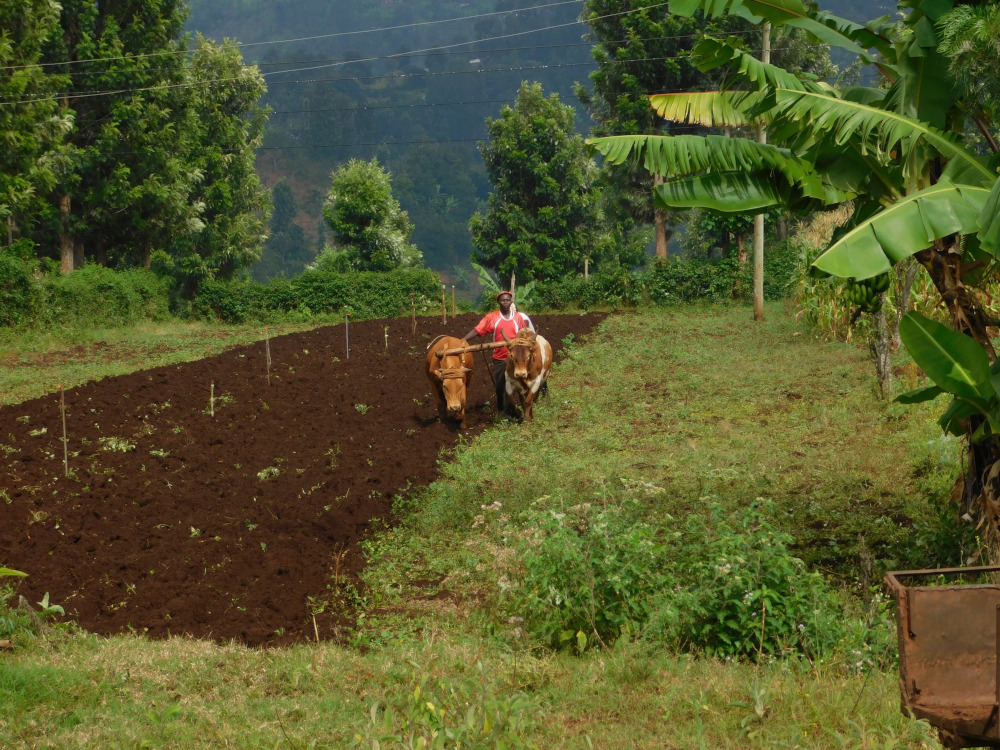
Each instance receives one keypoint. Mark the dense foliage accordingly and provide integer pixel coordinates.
(316, 292)
(723, 586)
(543, 216)
(123, 144)
(370, 231)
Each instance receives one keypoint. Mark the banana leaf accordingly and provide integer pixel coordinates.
(904, 228)
(877, 128)
(674, 156)
(953, 361)
(827, 28)
(919, 395)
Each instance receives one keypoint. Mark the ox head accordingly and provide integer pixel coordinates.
(453, 388)
(521, 351)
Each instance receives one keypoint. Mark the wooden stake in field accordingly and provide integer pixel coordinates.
(62, 409)
(413, 304)
(512, 282)
(347, 332)
(444, 307)
(211, 400)
(267, 354)
(387, 338)
(586, 268)
(453, 300)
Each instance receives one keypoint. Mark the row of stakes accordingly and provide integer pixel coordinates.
(267, 359)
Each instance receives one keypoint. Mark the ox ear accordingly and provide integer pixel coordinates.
(466, 369)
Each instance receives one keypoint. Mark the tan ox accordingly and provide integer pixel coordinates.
(528, 364)
(449, 376)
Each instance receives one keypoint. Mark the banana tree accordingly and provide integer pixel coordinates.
(897, 152)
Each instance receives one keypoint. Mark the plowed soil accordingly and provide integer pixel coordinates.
(175, 520)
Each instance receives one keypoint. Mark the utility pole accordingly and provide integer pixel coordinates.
(758, 220)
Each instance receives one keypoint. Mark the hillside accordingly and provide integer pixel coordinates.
(409, 84)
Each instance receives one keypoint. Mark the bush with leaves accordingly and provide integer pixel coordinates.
(743, 593)
(20, 295)
(675, 281)
(590, 572)
(98, 296)
(315, 292)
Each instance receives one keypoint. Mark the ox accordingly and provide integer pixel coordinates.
(449, 376)
(528, 364)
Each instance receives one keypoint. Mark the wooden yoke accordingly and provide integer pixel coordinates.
(473, 348)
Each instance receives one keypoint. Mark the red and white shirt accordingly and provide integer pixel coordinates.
(500, 326)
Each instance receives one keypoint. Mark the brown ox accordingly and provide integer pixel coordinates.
(528, 364)
(449, 375)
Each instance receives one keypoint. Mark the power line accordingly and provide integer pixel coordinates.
(306, 39)
(165, 87)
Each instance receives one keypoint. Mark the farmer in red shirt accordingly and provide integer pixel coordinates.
(506, 321)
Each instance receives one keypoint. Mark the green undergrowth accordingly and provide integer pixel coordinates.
(683, 550)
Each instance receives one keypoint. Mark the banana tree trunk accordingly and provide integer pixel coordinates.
(878, 346)
(980, 487)
(945, 268)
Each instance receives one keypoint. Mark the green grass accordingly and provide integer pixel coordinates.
(672, 410)
(33, 364)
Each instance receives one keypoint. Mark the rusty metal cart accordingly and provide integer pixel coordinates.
(949, 639)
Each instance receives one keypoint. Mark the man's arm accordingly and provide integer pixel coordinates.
(471, 334)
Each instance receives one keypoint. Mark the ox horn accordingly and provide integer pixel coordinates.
(505, 339)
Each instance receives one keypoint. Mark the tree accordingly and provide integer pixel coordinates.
(370, 231)
(30, 119)
(285, 251)
(543, 217)
(917, 189)
(118, 162)
(224, 127)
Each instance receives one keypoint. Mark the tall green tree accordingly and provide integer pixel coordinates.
(117, 184)
(918, 190)
(224, 127)
(543, 217)
(159, 161)
(30, 120)
(370, 230)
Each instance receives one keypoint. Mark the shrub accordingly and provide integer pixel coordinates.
(743, 593)
(590, 571)
(727, 587)
(98, 296)
(20, 295)
(674, 281)
(365, 294)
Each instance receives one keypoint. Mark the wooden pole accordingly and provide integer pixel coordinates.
(586, 268)
(347, 332)
(444, 307)
(387, 338)
(512, 282)
(413, 304)
(453, 300)
(211, 400)
(267, 354)
(758, 220)
(62, 409)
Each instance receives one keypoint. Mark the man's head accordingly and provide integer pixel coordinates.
(505, 299)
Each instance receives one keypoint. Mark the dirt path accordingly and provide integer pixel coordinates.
(177, 521)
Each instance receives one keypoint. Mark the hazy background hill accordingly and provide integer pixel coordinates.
(404, 81)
